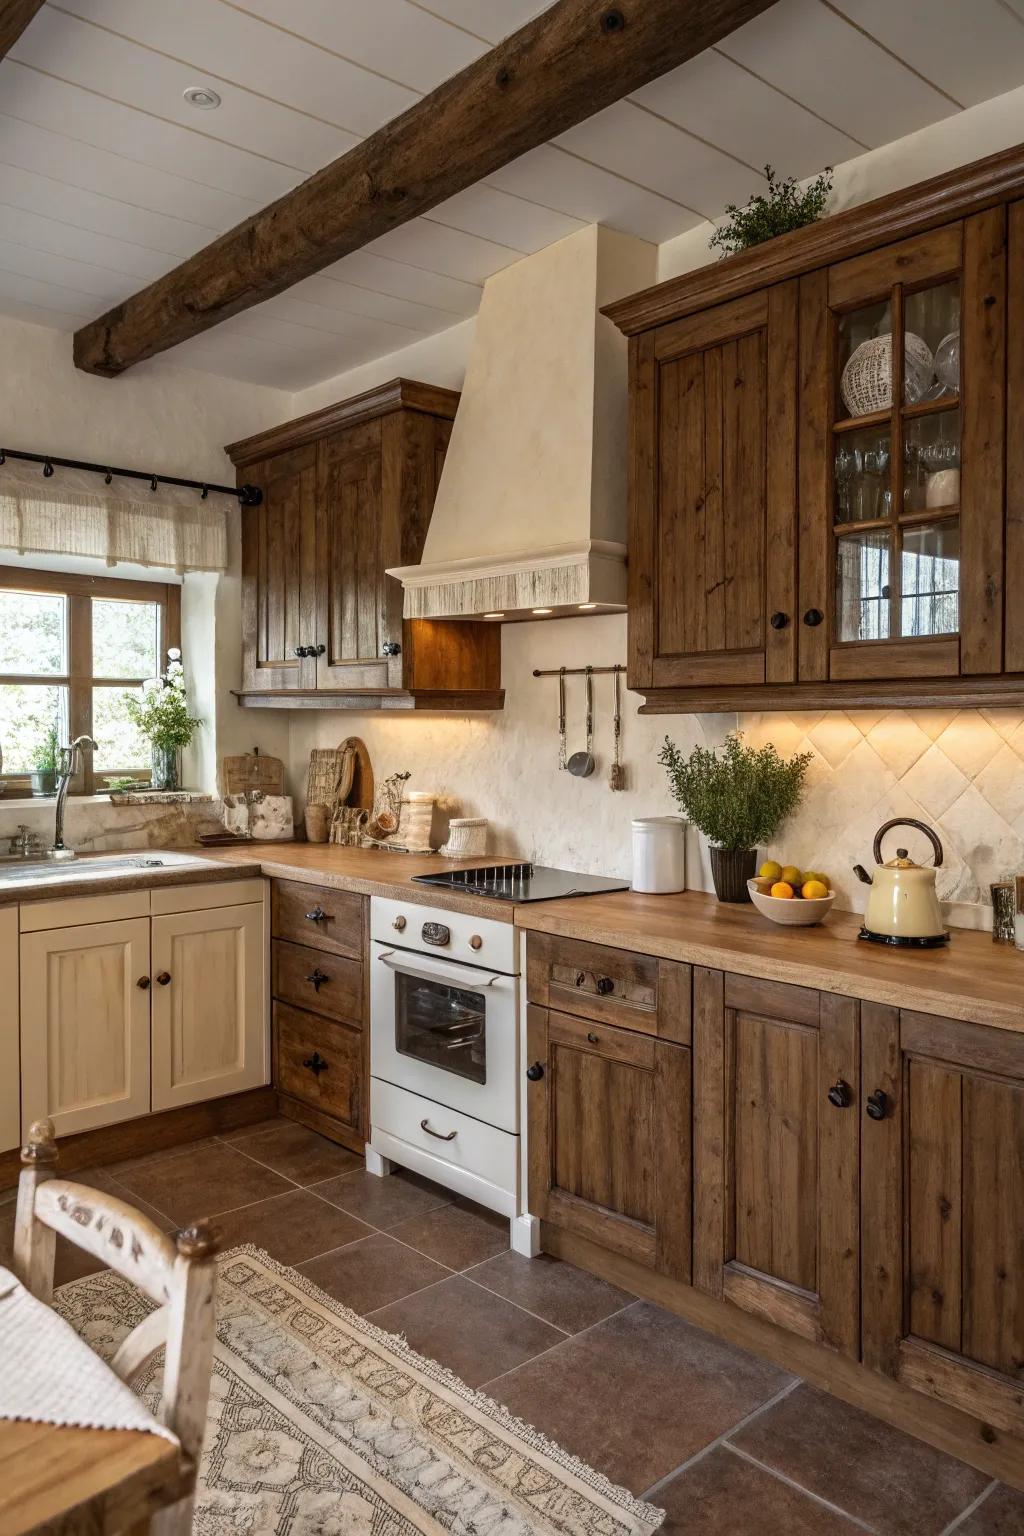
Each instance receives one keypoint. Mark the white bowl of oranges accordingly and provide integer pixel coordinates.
(793, 897)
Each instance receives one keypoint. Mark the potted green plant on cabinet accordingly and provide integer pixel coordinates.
(45, 763)
(161, 715)
(738, 799)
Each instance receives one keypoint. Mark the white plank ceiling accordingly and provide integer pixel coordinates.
(108, 178)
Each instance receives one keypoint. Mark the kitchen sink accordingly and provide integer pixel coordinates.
(94, 866)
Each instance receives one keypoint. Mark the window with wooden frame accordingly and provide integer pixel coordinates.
(71, 647)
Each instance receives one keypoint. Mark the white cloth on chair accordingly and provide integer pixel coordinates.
(49, 1376)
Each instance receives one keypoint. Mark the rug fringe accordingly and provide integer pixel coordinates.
(647, 1515)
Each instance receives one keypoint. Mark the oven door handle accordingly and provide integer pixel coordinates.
(465, 976)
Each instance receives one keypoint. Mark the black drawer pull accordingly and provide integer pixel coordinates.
(840, 1095)
(581, 977)
(592, 1037)
(605, 984)
(877, 1104)
(302, 651)
(318, 915)
(425, 1126)
(317, 977)
(315, 1064)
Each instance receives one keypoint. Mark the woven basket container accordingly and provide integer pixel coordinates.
(467, 837)
(866, 384)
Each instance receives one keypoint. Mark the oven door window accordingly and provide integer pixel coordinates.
(442, 1026)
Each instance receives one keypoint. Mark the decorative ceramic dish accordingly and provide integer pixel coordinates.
(791, 911)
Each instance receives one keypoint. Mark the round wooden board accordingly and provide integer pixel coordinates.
(361, 793)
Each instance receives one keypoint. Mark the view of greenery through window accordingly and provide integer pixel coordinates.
(35, 643)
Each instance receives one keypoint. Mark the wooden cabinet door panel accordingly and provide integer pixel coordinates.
(776, 1175)
(609, 1138)
(714, 496)
(944, 1211)
(10, 1051)
(335, 1050)
(209, 1019)
(278, 573)
(327, 984)
(85, 1025)
(350, 560)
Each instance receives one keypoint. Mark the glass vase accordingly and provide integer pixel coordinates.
(164, 767)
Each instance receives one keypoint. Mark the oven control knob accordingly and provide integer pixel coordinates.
(399, 923)
(437, 934)
(475, 941)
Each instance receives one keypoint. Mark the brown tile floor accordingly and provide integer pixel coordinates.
(727, 1444)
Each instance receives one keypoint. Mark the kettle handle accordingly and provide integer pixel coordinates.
(907, 821)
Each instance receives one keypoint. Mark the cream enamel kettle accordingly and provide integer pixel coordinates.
(903, 907)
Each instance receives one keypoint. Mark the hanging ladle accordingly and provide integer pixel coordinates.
(582, 763)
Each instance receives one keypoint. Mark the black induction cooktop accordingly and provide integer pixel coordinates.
(521, 882)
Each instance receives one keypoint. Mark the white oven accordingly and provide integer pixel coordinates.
(444, 1012)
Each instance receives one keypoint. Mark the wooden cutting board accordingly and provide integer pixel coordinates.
(252, 770)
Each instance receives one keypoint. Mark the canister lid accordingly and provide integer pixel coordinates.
(655, 823)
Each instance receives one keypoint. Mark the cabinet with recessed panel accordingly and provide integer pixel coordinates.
(827, 476)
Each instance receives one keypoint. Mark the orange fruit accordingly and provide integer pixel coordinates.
(814, 889)
(791, 876)
(782, 890)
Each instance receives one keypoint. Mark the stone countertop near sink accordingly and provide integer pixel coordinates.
(72, 878)
(970, 978)
(369, 872)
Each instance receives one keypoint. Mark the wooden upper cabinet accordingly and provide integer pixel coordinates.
(827, 460)
(902, 458)
(713, 504)
(348, 493)
(943, 1230)
(776, 1154)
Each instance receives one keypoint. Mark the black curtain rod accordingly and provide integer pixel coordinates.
(248, 495)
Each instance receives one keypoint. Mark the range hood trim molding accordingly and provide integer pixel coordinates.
(560, 576)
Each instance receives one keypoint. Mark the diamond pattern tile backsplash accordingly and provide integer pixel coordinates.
(961, 771)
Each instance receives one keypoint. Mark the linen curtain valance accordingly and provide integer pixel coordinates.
(73, 512)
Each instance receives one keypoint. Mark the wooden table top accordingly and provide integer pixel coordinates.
(89, 1481)
(971, 978)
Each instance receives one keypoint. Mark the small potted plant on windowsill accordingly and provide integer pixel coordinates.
(46, 764)
(162, 716)
(738, 800)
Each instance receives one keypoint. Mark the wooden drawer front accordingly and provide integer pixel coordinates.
(336, 1089)
(610, 986)
(318, 915)
(490, 1154)
(324, 984)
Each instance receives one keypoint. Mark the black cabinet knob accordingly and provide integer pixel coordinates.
(605, 984)
(813, 617)
(315, 650)
(143, 983)
(877, 1104)
(164, 978)
(317, 977)
(581, 977)
(391, 648)
(315, 1064)
(301, 651)
(591, 1037)
(535, 1073)
(779, 620)
(839, 1095)
(318, 915)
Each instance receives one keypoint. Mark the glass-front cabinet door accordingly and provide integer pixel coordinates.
(901, 476)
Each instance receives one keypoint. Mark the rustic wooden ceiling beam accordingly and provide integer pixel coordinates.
(15, 16)
(562, 67)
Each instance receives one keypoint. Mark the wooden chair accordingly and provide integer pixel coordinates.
(178, 1273)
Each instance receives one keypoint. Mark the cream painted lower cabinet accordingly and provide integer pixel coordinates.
(85, 1024)
(209, 1014)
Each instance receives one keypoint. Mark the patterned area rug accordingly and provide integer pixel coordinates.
(321, 1424)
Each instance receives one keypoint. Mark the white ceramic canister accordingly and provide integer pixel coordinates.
(659, 854)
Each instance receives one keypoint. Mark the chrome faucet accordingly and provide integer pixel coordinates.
(70, 761)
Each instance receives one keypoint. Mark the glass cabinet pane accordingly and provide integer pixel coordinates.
(863, 488)
(862, 585)
(932, 322)
(864, 361)
(931, 461)
(930, 576)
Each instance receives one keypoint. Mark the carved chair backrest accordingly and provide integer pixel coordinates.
(178, 1273)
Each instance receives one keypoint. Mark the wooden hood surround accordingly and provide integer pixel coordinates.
(757, 579)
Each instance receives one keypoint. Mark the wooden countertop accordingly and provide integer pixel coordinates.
(971, 978)
(368, 872)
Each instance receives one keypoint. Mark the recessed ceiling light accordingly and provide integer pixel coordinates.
(202, 96)
(494, 615)
(543, 610)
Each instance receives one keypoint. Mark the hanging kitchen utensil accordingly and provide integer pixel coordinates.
(582, 764)
(561, 717)
(617, 776)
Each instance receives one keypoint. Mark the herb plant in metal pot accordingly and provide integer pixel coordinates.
(739, 799)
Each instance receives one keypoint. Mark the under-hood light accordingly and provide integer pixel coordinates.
(540, 611)
(586, 607)
(492, 615)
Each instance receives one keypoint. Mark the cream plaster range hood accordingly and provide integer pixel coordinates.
(531, 508)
